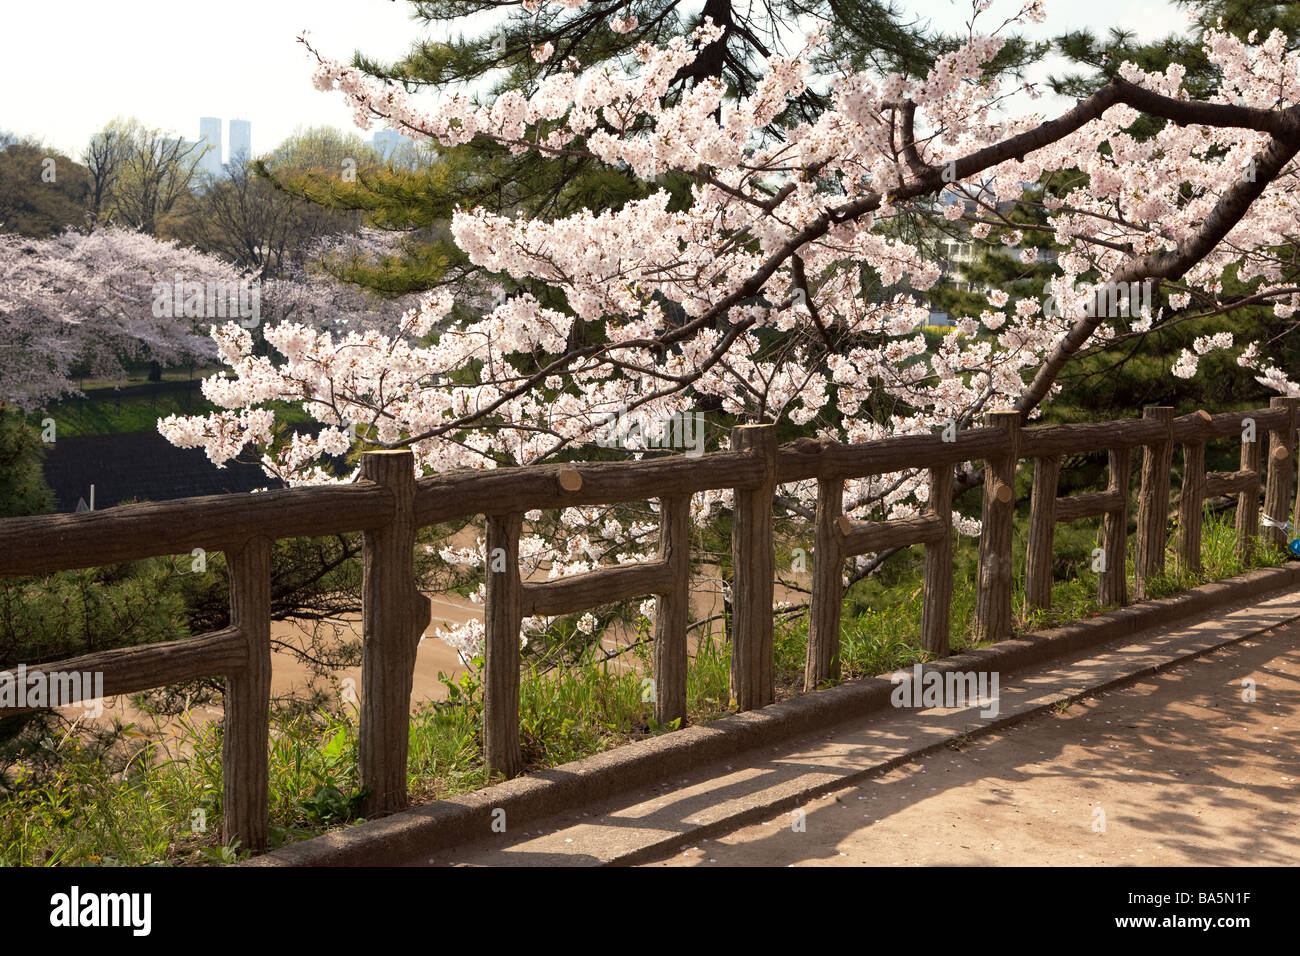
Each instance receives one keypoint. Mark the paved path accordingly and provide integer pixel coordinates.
(1185, 772)
(1174, 770)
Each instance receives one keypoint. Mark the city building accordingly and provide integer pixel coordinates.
(241, 140)
(210, 137)
(241, 144)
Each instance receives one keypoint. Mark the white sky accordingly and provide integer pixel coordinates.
(67, 68)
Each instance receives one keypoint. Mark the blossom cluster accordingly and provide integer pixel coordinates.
(771, 248)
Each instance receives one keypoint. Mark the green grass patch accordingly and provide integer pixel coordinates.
(139, 412)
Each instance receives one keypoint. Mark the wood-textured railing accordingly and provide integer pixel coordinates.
(389, 505)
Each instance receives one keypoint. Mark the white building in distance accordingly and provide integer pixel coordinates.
(241, 141)
(210, 137)
(241, 144)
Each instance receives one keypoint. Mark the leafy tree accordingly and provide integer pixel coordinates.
(139, 175)
(345, 181)
(42, 192)
(250, 220)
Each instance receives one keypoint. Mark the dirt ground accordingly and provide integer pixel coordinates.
(1174, 770)
(292, 677)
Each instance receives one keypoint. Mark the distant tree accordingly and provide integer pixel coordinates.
(148, 177)
(242, 219)
(103, 158)
(343, 179)
(245, 218)
(322, 149)
(42, 192)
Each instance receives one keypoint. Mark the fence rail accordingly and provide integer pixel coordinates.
(389, 505)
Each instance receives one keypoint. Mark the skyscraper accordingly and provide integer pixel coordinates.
(210, 136)
(241, 141)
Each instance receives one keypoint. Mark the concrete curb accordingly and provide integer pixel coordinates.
(423, 830)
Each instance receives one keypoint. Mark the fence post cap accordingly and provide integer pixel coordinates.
(1003, 418)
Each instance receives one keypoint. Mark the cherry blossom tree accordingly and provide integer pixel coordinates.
(89, 297)
(95, 297)
(308, 290)
(786, 291)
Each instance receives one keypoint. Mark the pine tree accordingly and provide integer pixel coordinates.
(23, 490)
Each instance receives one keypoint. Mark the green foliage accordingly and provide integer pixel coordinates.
(138, 409)
(23, 490)
(33, 204)
(80, 612)
(1101, 57)
(1220, 557)
(246, 219)
(315, 759)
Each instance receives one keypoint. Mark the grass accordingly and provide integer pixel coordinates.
(155, 806)
(137, 413)
(118, 415)
(136, 802)
(1219, 558)
(1076, 598)
(139, 375)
